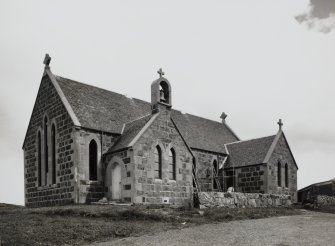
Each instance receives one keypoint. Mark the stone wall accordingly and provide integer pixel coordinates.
(90, 191)
(282, 153)
(49, 104)
(242, 200)
(248, 179)
(123, 158)
(148, 189)
(322, 200)
(204, 169)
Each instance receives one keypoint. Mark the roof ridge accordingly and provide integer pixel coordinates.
(180, 111)
(82, 83)
(139, 118)
(247, 140)
(201, 117)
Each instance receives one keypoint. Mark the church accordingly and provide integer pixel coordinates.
(84, 144)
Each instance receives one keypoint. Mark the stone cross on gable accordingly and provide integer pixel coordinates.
(47, 60)
(280, 124)
(160, 72)
(223, 116)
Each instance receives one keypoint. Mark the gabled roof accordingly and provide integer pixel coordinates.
(107, 111)
(204, 134)
(249, 152)
(100, 109)
(131, 130)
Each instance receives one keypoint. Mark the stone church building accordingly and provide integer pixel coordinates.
(84, 143)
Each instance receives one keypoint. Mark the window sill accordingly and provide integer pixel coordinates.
(93, 182)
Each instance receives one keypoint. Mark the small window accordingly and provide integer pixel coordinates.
(46, 151)
(39, 159)
(158, 163)
(172, 165)
(286, 175)
(279, 174)
(53, 150)
(93, 161)
(215, 175)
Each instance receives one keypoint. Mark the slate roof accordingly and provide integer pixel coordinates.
(130, 131)
(201, 133)
(108, 111)
(249, 152)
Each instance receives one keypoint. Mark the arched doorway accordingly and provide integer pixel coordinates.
(113, 181)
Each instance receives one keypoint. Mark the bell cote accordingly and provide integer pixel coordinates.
(160, 93)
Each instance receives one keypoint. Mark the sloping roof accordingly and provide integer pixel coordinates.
(108, 111)
(318, 184)
(100, 109)
(249, 152)
(130, 131)
(201, 133)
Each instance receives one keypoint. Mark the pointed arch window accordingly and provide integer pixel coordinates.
(46, 151)
(286, 175)
(172, 164)
(53, 152)
(279, 174)
(39, 159)
(93, 161)
(215, 174)
(194, 171)
(158, 163)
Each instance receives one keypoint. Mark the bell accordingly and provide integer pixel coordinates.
(162, 98)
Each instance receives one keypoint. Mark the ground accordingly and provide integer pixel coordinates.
(78, 225)
(309, 228)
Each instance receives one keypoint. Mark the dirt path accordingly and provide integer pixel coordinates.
(310, 228)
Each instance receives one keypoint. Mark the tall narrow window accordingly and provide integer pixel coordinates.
(93, 160)
(46, 151)
(53, 150)
(215, 174)
(279, 174)
(39, 160)
(158, 163)
(286, 175)
(172, 165)
(194, 171)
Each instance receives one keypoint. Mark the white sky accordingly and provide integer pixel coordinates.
(250, 59)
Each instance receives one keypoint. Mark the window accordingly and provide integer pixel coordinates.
(93, 161)
(194, 170)
(53, 150)
(46, 151)
(215, 174)
(172, 165)
(279, 174)
(158, 163)
(286, 175)
(39, 159)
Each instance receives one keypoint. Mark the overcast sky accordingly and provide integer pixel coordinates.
(258, 61)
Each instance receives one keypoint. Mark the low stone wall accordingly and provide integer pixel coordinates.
(323, 200)
(242, 200)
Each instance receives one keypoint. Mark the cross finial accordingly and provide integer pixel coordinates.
(160, 72)
(223, 116)
(280, 124)
(47, 60)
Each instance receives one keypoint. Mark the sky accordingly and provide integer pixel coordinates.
(257, 61)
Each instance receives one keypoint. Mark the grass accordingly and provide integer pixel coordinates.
(83, 224)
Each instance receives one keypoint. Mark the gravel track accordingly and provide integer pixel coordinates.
(310, 228)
